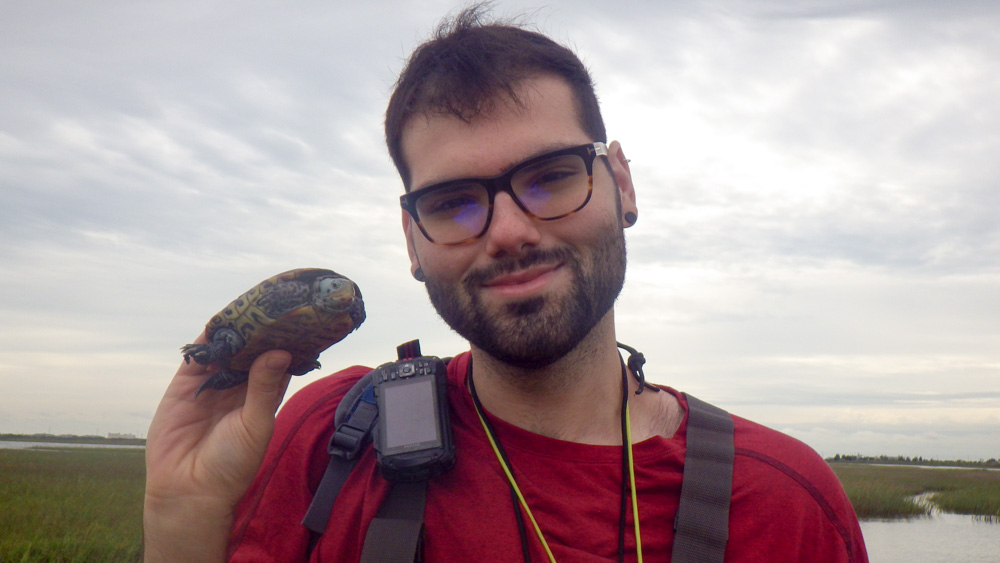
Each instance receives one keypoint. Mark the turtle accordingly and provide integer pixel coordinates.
(302, 311)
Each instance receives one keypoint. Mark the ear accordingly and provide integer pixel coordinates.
(410, 248)
(623, 179)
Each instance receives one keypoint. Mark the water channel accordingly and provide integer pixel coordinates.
(938, 537)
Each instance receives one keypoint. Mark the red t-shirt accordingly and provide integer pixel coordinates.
(787, 504)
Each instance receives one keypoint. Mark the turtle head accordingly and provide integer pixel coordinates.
(336, 294)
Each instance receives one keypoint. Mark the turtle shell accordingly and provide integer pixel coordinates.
(303, 312)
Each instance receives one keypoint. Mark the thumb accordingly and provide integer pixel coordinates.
(266, 387)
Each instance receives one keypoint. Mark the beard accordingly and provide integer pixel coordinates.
(536, 332)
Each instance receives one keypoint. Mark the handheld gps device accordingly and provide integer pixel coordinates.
(413, 441)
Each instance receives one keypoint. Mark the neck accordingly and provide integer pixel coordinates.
(577, 398)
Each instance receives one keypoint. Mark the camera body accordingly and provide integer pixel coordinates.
(413, 441)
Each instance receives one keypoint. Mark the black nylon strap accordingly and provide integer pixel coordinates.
(396, 533)
(336, 474)
(701, 527)
(354, 427)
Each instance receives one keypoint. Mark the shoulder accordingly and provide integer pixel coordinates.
(780, 481)
(766, 458)
(786, 501)
(767, 450)
(764, 450)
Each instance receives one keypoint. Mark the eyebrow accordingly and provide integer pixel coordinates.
(551, 147)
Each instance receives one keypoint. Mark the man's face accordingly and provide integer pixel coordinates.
(527, 291)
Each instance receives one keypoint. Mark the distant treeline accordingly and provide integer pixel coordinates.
(72, 439)
(906, 460)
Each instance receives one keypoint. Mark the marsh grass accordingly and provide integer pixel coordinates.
(878, 491)
(71, 505)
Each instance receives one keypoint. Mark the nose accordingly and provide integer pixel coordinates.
(511, 230)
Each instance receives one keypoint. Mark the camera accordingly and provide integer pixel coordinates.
(413, 441)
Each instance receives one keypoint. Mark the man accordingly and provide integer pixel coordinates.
(514, 220)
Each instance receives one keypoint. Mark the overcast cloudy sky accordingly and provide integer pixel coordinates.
(818, 246)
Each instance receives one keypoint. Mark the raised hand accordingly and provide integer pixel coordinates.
(202, 454)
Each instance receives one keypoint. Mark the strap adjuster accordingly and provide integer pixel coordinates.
(346, 442)
(352, 434)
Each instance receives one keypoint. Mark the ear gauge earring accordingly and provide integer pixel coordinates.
(630, 218)
(418, 275)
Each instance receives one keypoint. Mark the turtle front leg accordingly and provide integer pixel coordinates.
(225, 344)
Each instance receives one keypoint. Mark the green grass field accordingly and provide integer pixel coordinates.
(878, 491)
(71, 505)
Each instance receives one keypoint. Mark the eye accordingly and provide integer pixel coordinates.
(552, 174)
(450, 204)
(555, 176)
(451, 201)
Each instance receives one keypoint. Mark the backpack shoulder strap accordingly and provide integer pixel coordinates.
(396, 533)
(354, 421)
(701, 527)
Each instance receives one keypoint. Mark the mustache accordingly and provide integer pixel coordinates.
(506, 265)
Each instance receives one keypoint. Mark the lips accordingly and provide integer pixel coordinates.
(522, 284)
(520, 277)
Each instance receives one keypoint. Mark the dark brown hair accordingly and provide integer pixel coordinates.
(471, 65)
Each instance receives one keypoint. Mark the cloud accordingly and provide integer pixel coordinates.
(816, 247)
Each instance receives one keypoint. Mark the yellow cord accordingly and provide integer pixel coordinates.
(513, 483)
(631, 482)
(524, 503)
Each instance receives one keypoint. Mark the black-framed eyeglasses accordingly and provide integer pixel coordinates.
(547, 187)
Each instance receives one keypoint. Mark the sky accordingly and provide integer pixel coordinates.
(817, 248)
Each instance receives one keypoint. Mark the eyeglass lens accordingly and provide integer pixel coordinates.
(546, 190)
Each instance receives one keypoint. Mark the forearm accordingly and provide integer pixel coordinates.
(190, 531)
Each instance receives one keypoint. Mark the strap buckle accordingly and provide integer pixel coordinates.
(352, 434)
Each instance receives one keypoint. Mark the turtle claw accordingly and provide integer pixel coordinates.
(200, 352)
(305, 367)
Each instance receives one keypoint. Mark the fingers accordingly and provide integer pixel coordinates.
(266, 388)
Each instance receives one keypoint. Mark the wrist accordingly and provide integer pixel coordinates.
(195, 530)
